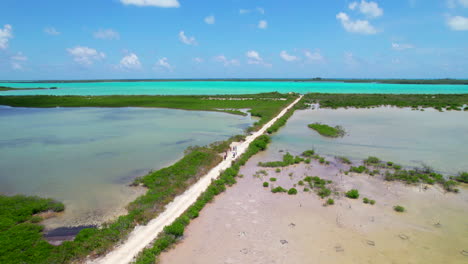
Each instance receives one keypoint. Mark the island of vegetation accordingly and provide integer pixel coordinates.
(328, 131)
(4, 88)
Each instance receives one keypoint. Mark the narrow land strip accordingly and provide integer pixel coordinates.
(142, 236)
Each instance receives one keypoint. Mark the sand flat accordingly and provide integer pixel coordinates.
(249, 224)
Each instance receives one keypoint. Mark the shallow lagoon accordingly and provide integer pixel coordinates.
(220, 87)
(411, 138)
(86, 157)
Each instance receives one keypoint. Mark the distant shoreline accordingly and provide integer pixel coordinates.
(381, 81)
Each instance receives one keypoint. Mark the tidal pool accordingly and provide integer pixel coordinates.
(86, 157)
(410, 138)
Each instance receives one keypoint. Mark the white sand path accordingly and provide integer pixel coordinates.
(143, 235)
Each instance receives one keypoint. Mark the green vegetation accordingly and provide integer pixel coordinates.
(327, 131)
(368, 201)
(266, 184)
(278, 189)
(265, 106)
(272, 179)
(421, 175)
(288, 159)
(330, 201)
(306, 189)
(278, 170)
(4, 88)
(352, 194)
(372, 160)
(301, 183)
(344, 160)
(360, 169)
(439, 101)
(319, 185)
(399, 208)
(292, 191)
(308, 153)
(20, 236)
(462, 177)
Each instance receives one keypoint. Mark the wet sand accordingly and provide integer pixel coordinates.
(249, 224)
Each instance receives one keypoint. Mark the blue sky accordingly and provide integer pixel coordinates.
(89, 39)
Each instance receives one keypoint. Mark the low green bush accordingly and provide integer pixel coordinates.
(330, 201)
(292, 191)
(266, 184)
(365, 200)
(327, 131)
(300, 183)
(278, 189)
(278, 170)
(273, 179)
(308, 153)
(360, 169)
(372, 202)
(399, 208)
(352, 194)
(344, 160)
(462, 176)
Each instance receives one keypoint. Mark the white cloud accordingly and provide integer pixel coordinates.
(17, 61)
(315, 56)
(210, 20)
(454, 3)
(458, 23)
(156, 3)
(163, 63)
(51, 31)
(463, 3)
(106, 34)
(353, 5)
(84, 55)
(187, 40)
(253, 57)
(198, 60)
(401, 46)
(260, 10)
(356, 26)
(287, 57)
(130, 62)
(262, 24)
(5, 35)
(370, 9)
(227, 62)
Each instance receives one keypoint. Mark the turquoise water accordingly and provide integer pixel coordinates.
(86, 157)
(410, 138)
(215, 87)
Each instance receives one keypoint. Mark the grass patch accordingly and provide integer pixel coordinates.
(328, 131)
(278, 189)
(399, 208)
(360, 169)
(292, 191)
(330, 201)
(272, 179)
(266, 184)
(462, 177)
(439, 101)
(288, 159)
(352, 194)
(20, 236)
(344, 160)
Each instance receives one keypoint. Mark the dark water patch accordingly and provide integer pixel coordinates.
(59, 235)
(49, 140)
(107, 154)
(180, 142)
(131, 176)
